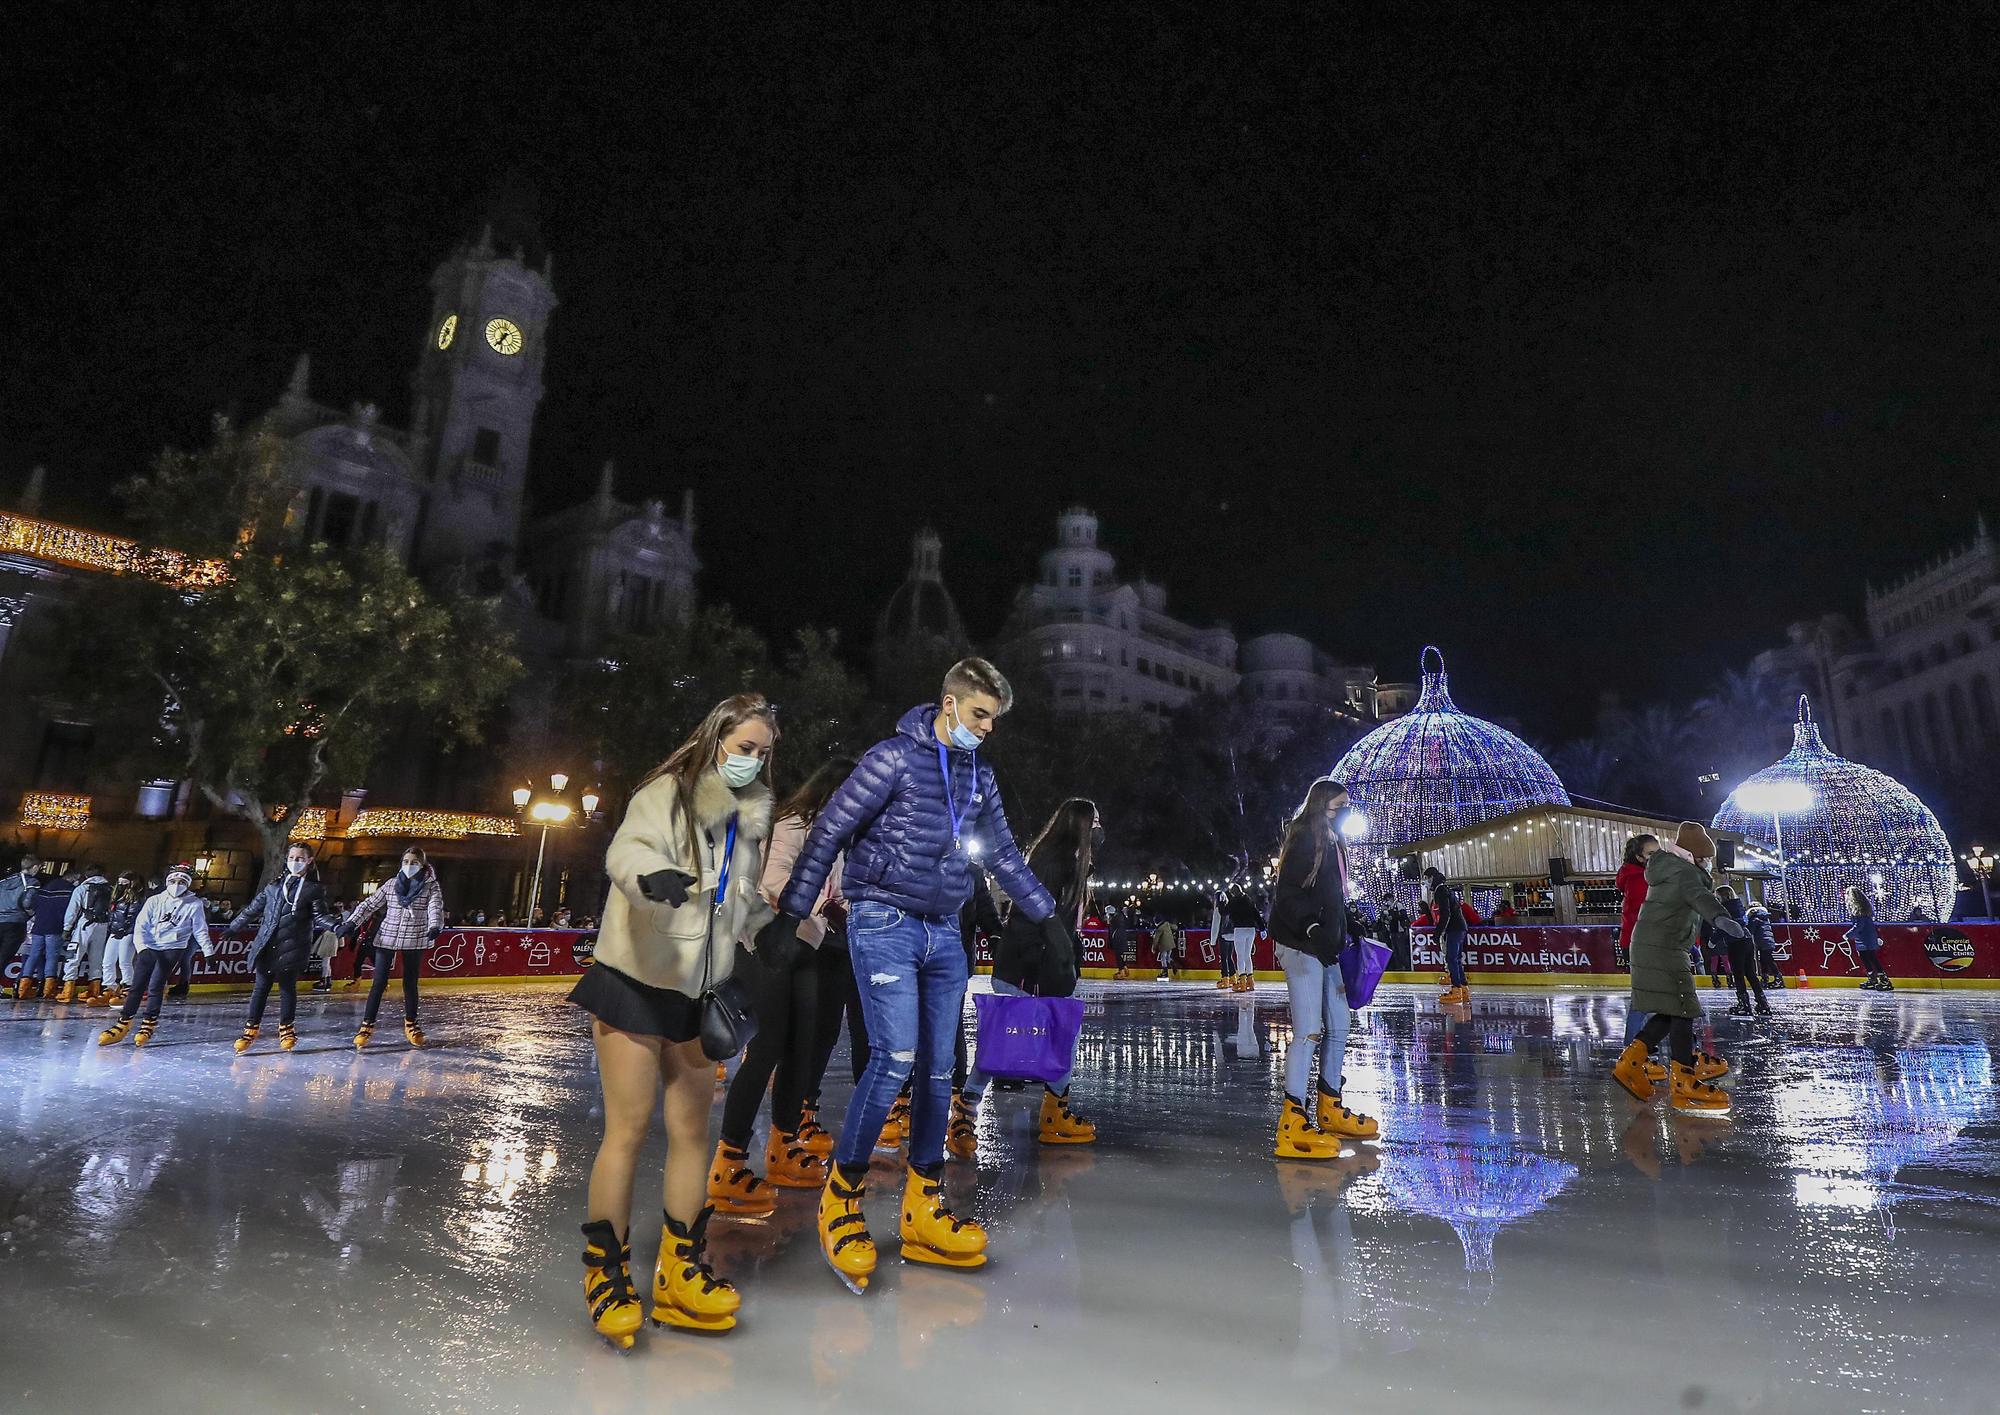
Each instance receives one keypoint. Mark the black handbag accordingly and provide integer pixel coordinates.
(728, 1014)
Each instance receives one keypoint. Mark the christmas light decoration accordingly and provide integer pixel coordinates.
(50, 810)
(1858, 823)
(314, 823)
(1437, 770)
(1477, 1188)
(92, 550)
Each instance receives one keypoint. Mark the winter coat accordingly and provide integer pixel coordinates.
(1297, 906)
(124, 916)
(1632, 884)
(51, 904)
(667, 947)
(1679, 900)
(286, 934)
(1861, 932)
(1243, 912)
(166, 923)
(788, 837)
(1757, 919)
(17, 897)
(1455, 913)
(95, 887)
(1017, 958)
(412, 911)
(893, 815)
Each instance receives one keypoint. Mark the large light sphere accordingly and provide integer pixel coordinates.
(1436, 770)
(1843, 823)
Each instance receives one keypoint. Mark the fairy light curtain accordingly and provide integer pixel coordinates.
(1438, 770)
(1863, 827)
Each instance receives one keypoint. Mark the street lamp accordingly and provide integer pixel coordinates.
(545, 814)
(1981, 865)
(1778, 799)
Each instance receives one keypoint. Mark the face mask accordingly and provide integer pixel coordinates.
(296, 867)
(412, 870)
(177, 887)
(962, 737)
(1097, 837)
(739, 772)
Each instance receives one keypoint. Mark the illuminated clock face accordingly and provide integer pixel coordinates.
(504, 335)
(447, 331)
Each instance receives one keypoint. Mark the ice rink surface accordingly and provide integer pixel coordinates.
(182, 1229)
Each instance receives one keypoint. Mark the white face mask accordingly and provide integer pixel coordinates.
(413, 870)
(296, 867)
(177, 887)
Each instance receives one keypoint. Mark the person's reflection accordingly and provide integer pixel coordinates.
(1323, 1252)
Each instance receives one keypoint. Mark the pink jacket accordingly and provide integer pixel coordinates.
(788, 838)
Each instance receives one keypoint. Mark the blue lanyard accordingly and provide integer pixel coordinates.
(951, 796)
(722, 875)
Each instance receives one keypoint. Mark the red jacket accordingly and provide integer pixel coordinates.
(1466, 911)
(1632, 884)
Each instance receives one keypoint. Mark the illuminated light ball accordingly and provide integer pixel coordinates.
(1843, 823)
(1438, 770)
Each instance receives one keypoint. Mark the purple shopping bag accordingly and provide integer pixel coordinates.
(1362, 964)
(1027, 1038)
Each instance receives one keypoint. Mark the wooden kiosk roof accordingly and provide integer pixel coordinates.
(1519, 845)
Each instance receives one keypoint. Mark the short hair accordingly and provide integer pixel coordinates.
(976, 675)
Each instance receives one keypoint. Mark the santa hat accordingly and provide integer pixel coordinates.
(1693, 839)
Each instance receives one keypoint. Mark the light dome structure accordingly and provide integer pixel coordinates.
(1436, 770)
(1852, 825)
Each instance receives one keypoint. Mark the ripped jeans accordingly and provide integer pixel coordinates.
(911, 972)
(1319, 1016)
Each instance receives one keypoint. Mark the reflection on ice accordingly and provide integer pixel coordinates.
(1478, 1188)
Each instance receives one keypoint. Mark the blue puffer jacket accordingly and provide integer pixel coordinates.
(892, 819)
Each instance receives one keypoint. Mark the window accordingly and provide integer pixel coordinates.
(1160, 672)
(64, 762)
(1145, 667)
(1180, 679)
(340, 519)
(1888, 743)
(1982, 706)
(1934, 740)
(1101, 577)
(1954, 702)
(486, 447)
(1075, 578)
(1097, 695)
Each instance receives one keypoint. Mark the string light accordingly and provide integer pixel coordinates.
(314, 822)
(1438, 770)
(51, 810)
(1860, 822)
(93, 550)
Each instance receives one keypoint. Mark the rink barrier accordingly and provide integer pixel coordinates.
(1956, 955)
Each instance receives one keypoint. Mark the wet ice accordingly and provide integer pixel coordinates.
(184, 1229)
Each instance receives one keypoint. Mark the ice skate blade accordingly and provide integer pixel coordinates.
(1307, 1156)
(1066, 1139)
(917, 1253)
(1644, 1097)
(687, 1321)
(619, 1344)
(1702, 1111)
(857, 1285)
(743, 1215)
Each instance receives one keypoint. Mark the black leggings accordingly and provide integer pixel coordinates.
(1743, 968)
(780, 1054)
(836, 988)
(1659, 1027)
(260, 991)
(149, 979)
(385, 959)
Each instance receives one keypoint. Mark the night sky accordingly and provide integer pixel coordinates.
(1594, 343)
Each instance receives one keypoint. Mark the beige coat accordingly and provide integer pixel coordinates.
(788, 837)
(658, 944)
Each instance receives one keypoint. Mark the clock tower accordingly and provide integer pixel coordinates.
(477, 386)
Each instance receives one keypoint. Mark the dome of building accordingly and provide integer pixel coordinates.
(1861, 827)
(1438, 769)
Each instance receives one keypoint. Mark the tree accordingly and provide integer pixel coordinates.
(289, 674)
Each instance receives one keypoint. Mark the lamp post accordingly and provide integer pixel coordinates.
(546, 813)
(1779, 799)
(1981, 865)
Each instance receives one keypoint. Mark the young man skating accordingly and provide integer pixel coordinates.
(907, 819)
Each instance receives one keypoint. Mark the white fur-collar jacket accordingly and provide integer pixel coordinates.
(658, 944)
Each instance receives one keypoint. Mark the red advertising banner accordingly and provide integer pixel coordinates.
(1915, 953)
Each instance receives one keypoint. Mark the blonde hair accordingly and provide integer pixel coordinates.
(976, 675)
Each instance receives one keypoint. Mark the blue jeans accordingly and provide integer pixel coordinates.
(911, 973)
(1319, 1014)
(976, 1081)
(45, 956)
(1454, 960)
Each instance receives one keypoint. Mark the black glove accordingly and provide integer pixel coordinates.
(1729, 928)
(778, 942)
(666, 886)
(345, 930)
(431, 935)
(1058, 964)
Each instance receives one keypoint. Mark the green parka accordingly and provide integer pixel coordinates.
(1679, 899)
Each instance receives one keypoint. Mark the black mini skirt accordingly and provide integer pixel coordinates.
(623, 1002)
